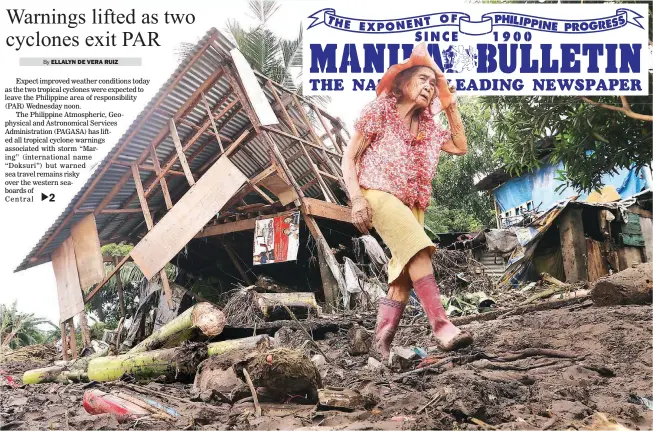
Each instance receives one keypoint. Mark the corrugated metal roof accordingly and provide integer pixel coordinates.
(250, 158)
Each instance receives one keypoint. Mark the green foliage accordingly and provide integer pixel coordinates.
(21, 329)
(591, 141)
(455, 205)
(279, 59)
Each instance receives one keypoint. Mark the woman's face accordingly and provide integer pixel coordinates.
(420, 88)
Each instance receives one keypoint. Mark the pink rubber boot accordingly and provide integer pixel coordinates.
(447, 336)
(387, 321)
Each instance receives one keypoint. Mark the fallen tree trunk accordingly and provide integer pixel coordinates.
(249, 343)
(630, 286)
(202, 320)
(300, 303)
(69, 372)
(177, 363)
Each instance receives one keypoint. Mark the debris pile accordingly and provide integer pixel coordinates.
(545, 363)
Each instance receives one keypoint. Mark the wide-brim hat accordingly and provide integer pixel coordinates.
(419, 57)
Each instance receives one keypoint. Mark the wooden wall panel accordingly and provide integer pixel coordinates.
(187, 217)
(88, 253)
(69, 292)
(597, 266)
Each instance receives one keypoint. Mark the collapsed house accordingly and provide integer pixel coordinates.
(577, 241)
(218, 151)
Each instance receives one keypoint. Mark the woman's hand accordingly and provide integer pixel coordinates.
(445, 91)
(361, 214)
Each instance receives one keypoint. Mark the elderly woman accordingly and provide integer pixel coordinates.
(388, 166)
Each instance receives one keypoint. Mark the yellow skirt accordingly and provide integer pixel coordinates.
(400, 227)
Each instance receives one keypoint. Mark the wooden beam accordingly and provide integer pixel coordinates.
(164, 183)
(64, 341)
(332, 279)
(318, 208)
(210, 115)
(282, 107)
(136, 130)
(300, 140)
(208, 141)
(150, 168)
(264, 174)
(171, 161)
(326, 128)
(150, 224)
(234, 259)
(221, 229)
(113, 272)
(316, 138)
(73, 340)
(180, 154)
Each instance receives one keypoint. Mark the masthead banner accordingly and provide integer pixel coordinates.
(488, 49)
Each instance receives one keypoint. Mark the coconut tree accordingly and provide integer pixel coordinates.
(20, 329)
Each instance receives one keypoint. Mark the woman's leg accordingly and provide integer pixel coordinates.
(391, 308)
(420, 270)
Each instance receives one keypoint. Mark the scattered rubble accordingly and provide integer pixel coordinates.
(530, 367)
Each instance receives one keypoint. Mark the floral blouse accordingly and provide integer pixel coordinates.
(395, 161)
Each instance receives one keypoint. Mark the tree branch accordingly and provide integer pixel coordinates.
(625, 109)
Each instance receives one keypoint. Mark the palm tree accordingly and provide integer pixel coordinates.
(279, 59)
(20, 329)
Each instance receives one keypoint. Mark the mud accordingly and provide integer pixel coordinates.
(612, 361)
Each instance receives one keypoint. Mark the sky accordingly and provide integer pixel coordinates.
(24, 224)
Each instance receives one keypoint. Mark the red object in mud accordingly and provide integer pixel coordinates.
(7, 380)
(97, 402)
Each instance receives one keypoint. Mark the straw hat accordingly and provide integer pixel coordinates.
(419, 57)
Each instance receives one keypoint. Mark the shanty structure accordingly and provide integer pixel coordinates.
(217, 148)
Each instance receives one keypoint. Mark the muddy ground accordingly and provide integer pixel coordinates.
(612, 365)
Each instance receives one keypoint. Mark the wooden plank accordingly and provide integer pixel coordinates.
(318, 208)
(253, 91)
(88, 253)
(188, 216)
(597, 266)
(647, 232)
(180, 153)
(572, 242)
(150, 224)
(69, 291)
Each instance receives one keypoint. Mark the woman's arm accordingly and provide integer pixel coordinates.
(457, 145)
(361, 211)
